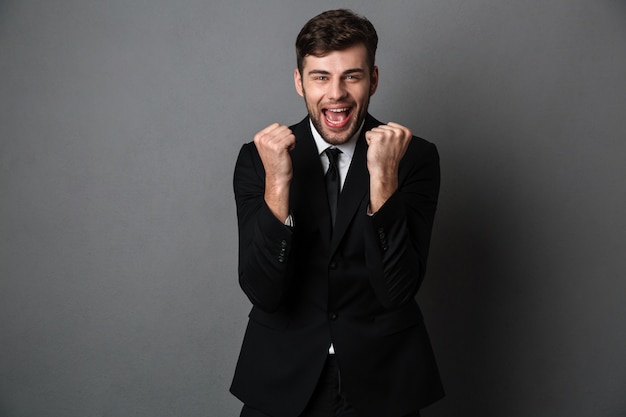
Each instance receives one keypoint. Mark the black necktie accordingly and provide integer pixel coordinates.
(332, 181)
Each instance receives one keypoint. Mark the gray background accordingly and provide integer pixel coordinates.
(120, 122)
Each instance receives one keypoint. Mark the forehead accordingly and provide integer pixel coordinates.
(338, 61)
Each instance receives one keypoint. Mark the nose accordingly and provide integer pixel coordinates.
(336, 89)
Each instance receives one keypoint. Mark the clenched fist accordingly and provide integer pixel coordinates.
(274, 144)
(386, 147)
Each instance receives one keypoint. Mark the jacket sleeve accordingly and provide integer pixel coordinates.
(398, 240)
(264, 242)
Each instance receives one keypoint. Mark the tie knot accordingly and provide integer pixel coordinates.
(332, 154)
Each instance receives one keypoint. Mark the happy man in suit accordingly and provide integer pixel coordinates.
(333, 245)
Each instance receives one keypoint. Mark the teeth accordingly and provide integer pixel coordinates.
(337, 110)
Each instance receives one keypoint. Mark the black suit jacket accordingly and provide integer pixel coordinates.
(355, 286)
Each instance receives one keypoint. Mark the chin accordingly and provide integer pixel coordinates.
(335, 139)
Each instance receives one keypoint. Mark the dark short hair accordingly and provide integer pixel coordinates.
(336, 30)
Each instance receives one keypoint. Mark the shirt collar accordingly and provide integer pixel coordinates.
(346, 148)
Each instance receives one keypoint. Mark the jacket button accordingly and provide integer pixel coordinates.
(333, 265)
(333, 316)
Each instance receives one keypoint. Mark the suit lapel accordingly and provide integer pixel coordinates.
(355, 190)
(308, 191)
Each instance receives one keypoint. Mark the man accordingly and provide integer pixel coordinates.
(333, 244)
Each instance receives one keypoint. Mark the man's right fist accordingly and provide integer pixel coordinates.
(274, 144)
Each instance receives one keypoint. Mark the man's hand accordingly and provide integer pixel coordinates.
(387, 145)
(273, 144)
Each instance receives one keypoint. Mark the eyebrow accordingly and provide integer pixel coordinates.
(346, 72)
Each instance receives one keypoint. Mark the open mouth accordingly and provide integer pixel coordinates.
(337, 117)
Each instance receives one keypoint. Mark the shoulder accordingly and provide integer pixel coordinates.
(302, 128)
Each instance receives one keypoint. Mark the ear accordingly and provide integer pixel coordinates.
(297, 79)
(374, 81)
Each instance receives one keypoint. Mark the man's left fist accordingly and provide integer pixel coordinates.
(387, 145)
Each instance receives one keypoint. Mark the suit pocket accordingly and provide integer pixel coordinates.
(398, 320)
(274, 321)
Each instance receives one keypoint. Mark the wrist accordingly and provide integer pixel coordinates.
(277, 198)
(381, 191)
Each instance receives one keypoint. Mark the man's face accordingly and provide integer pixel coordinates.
(336, 89)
